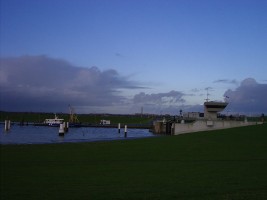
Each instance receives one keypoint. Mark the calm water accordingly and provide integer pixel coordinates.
(41, 134)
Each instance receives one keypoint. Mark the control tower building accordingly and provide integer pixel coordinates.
(211, 109)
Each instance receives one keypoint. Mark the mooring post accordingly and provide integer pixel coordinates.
(119, 127)
(66, 126)
(125, 131)
(61, 130)
(6, 122)
(7, 125)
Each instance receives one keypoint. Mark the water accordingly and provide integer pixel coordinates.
(45, 135)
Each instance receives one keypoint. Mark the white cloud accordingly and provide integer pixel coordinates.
(249, 97)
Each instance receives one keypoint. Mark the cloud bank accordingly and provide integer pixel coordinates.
(160, 103)
(44, 84)
(249, 97)
(40, 83)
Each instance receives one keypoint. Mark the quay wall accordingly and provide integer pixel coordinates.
(206, 125)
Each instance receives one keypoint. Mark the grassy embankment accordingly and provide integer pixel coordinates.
(222, 164)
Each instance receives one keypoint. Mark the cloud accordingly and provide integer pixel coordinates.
(226, 81)
(171, 97)
(209, 88)
(249, 97)
(196, 90)
(157, 103)
(41, 83)
(119, 55)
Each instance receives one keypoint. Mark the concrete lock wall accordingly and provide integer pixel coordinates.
(163, 128)
(205, 125)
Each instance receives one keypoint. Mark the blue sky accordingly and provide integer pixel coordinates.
(167, 51)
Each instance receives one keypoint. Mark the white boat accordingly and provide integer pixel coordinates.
(54, 122)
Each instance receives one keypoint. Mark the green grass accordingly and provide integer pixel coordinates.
(223, 164)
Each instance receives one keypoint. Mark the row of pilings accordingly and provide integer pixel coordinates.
(64, 127)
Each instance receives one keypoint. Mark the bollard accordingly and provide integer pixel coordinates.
(119, 127)
(61, 130)
(125, 131)
(66, 126)
(7, 125)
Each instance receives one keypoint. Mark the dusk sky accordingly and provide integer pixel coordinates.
(117, 56)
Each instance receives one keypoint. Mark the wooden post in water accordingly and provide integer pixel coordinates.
(6, 122)
(119, 127)
(66, 126)
(61, 130)
(125, 131)
(7, 125)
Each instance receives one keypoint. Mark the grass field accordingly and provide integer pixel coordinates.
(223, 164)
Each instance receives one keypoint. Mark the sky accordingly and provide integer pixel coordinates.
(124, 56)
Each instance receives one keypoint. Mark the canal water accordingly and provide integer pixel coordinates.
(45, 135)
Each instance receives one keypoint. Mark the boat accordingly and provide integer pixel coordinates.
(53, 122)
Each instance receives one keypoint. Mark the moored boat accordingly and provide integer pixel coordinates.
(54, 122)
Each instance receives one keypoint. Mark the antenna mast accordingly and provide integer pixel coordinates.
(207, 99)
(73, 117)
